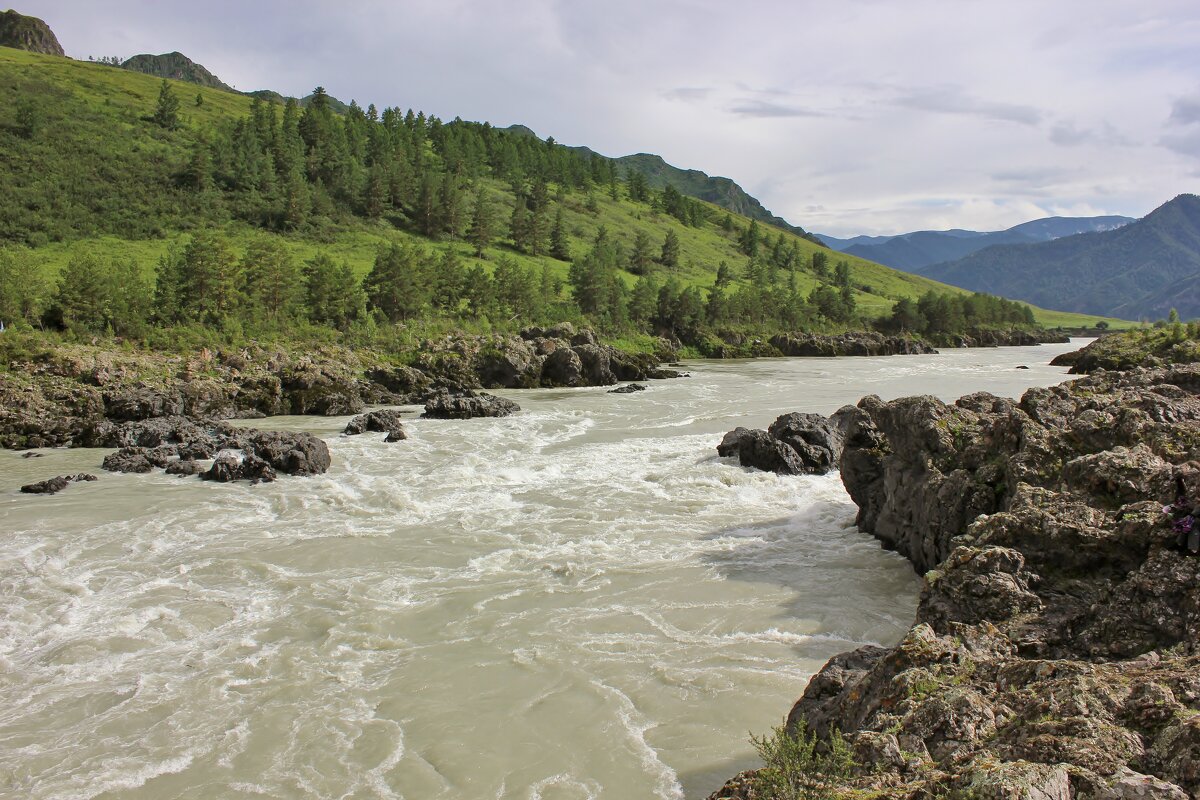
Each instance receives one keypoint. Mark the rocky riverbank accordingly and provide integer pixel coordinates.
(1054, 653)
(49, 395)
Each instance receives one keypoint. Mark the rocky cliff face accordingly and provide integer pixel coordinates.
(1054, 654)
(175, 66)
(28, 33)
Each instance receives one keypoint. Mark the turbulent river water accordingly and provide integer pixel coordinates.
(581, 601)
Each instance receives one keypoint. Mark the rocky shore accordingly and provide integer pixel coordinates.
(50, 396)
(1054, 652)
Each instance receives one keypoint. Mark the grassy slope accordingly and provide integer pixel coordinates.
(111, 104)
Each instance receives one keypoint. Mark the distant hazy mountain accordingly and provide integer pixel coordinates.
(175, 66)
(28, 33)
(915, 251)
(1140, 270)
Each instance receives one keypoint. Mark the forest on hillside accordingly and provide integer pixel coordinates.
(291, 171)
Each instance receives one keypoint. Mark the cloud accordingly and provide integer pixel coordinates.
(953, 100)
(765, 109)
(1185, 110)
(1067, 134)
(688, 94)
(1186, 143)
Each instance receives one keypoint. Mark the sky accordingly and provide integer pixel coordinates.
(844, 116)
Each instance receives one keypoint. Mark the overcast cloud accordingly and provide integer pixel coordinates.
(843, 116)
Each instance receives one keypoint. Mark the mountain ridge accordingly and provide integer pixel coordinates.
(1139, 269)
(917, 250)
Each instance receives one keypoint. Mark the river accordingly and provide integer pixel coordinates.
(581, 601)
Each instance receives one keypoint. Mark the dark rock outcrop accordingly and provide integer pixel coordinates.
(229, 467)
(28, 33)
(468, 404)
(55, 485)
(628, 389)
(386, 421)
(175, 66)
(1056, 647)
(794, 444)
(855, 343)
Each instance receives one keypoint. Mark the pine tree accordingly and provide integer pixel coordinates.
(521, 227)
(272, 280)
(166, 113)
(641, 258)
(560, 245)
(483, 222)
(670, 251)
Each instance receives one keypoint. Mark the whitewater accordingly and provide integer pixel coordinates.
(580, 601)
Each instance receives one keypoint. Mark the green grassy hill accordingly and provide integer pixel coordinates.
(86, 170)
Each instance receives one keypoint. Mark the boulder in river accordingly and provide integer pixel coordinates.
(55, 485)
(795, 444)
(385, 421)
(628, 389)
(228, 467)
(468, 404)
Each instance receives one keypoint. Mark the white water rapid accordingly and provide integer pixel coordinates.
(581, 601)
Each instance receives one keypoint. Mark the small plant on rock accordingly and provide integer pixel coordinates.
(798, 766)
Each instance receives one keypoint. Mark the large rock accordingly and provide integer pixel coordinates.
(509, 363)
(385, 421)
(794, 444)
(55, 485)
(1057, 639)
(563, 367)
(466, 405)
(229, 467)
(286, 452)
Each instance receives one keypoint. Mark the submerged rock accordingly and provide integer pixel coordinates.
(629, 389)
(465, 405)
(55, 485)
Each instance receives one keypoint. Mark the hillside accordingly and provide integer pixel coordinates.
(175, 66)
(913, 252)
(114, 185)
(1140, 270)
(28, 33)
(722, 192)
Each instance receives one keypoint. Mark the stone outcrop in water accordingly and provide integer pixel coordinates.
(176, 443)
(794, 444)
(1055, 650)
(56, 485)
(468, 404)
(386, 421)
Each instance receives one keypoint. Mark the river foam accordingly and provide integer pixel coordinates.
(581, 601)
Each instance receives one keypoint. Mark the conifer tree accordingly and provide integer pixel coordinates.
(560, 245)
(670, 251)
(483, 222)
(166, 112)
(641, 258)
(271, 279)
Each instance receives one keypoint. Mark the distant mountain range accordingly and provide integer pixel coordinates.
(1138, 271)
(914, 251)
